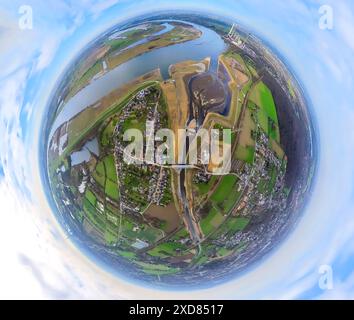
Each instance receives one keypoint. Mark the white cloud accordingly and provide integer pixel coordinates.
(47, 53)
(97, 7)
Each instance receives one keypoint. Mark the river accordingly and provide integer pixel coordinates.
(210, 44)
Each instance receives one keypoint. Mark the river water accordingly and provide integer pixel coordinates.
(84, 155)
(210, 44)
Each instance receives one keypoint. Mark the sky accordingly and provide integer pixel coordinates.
(39, 262)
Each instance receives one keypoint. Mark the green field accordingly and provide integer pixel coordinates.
(110, 236)
(262, 97)
(182, 234)
(204, 188)
(156, 269)
(91, 197)
(105, 175)
(127, 254)
(149, 234)
(245, 154)
(92, 215)
(128, 235)
(231, 226)
(134, 123)
(112, 190)
(111, 172)
(107, 134)
(230, 201)
(236, 224)
(224, 188)
(223, 252)
(99, 174)
(222, 201)
(168, 249)
(267, 112)
(212, 221)
(273, 130)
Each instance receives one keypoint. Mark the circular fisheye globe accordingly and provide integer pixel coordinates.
(179, 150)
